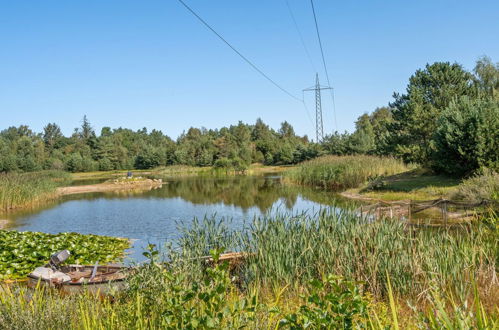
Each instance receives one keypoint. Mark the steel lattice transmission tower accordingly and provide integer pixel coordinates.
(319, 129)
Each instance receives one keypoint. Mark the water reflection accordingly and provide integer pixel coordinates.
(242, 191)
(153, 215)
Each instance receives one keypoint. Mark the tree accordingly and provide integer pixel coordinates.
(467, 137)
(381, 118)
(336, 143)
(415, 113)
(52, 136)
(148, 158)
(362, 140)
(487, 76)
(87, 133)
(286, 130)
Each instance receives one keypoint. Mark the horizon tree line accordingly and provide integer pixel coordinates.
(447, 120)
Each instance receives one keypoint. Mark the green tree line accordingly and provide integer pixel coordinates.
(447, 120)
(236, 146)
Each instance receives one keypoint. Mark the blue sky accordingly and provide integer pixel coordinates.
(152, 64)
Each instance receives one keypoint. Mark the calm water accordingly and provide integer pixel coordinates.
(153, 216)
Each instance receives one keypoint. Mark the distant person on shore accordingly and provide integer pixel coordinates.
(129, 175)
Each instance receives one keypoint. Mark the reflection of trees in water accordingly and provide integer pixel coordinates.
(243, 191)
(240, 191)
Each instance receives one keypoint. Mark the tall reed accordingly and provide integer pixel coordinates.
(292, 250)
(29, 189)
(441, 268)
(340, 172)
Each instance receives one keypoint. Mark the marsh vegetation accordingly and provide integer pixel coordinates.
(441, 279)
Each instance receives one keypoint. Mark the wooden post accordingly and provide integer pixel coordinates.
(410, 210)
(445, 213)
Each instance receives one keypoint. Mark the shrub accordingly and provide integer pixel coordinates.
(333, 303)
(484, 186)
(467, 137)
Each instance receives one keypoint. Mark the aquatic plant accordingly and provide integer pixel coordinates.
(21, 252)
(291, 250)
(341, 172)
(29, 189)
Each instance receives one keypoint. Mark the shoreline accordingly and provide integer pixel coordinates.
(3, 223)
(109, 186)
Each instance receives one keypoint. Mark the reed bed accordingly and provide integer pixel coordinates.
(342, 172)
(332, 270)
(291, 250)
(19, 190)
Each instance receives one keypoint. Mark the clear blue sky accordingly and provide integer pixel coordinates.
(152, 64)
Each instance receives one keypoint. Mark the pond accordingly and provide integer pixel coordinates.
(153, 216)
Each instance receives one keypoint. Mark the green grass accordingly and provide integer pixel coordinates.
(332, 269)
(18, 190)
(417, 184)
(342, 172)
(417, 180)
(294, 250)
(421, 184)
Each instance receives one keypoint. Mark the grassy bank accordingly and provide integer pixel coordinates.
(21, 190)
(421, 184)
(341, 172)
(333, 270)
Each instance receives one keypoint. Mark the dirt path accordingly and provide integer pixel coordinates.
(110, 186)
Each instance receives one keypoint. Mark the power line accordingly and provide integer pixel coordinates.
(237, 52)
(300, 35)
(324, 61)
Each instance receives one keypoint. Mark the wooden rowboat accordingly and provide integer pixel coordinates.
(75, 278)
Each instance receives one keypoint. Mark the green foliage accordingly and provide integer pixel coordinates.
(487, 77)
(467, 137)
(333, 172)
(333, 303)
(297, 249)
(171, 300)
(448, 314)
(433, 275)
(415, 113)
(447, 120)
(21, 252)
(482, 186)
(29, 189)
(115, 149)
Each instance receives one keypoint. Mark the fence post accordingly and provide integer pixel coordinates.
(445, 213)
(410, 210)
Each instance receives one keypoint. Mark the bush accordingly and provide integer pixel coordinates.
(467, 137)
(332, 303)
(223, 162)
(484, 186)
(105, 164)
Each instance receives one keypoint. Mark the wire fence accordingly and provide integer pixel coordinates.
(437, 209)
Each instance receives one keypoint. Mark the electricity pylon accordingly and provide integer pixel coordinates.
(319, 129)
